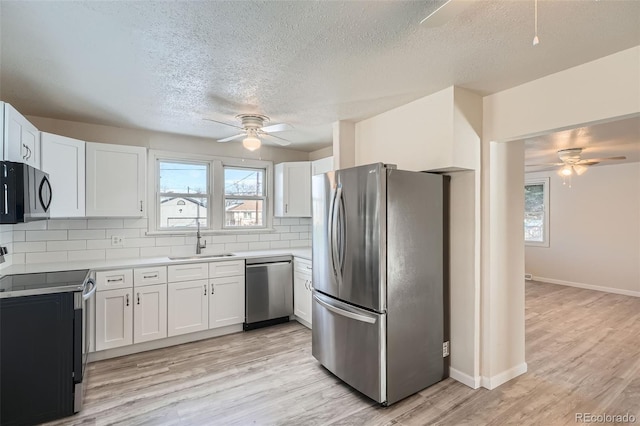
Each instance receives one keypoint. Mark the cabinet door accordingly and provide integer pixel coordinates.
(302, 296)
(150, 313)
(115, 176)
(226, 302)
(114, 318)
(21, 138)
(188, 307)
(63, 158)
(293, 189)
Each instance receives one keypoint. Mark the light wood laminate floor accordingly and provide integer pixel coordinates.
(583, 352)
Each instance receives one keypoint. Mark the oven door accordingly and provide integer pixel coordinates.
(81, 341)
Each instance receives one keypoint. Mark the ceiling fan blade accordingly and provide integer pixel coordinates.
(622, 157)
(541, 170)
(221, 122)
(230, 138)
(544, 165)
(445, 12)
(277, 128)
(278, 139)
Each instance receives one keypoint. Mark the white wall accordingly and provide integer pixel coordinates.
(601, 90)
(594, 230)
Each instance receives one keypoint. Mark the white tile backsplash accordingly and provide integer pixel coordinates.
(105, 223)
(89, 234)
(59, 240)
(59, 235)
(6, 240)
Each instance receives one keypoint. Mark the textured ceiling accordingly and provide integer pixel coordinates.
(167, 65)
(611, 139)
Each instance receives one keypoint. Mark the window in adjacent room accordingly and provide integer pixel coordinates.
(536, 212)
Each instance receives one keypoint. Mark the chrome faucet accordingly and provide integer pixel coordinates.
(199, 246)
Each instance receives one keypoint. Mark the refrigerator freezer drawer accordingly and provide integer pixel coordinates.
(351, 343)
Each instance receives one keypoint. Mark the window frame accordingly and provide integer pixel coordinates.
(262, 197)
(544, 181)
(215, 210)
(158, 195)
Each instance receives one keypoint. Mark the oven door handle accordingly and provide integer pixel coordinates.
(86, 294)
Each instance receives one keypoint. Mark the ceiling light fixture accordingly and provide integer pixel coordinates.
(535, 38)
(566, 170)
(251, 142)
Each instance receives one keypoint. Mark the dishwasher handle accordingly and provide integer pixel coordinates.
(263, 265)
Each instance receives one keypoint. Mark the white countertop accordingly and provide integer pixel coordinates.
(303, 252)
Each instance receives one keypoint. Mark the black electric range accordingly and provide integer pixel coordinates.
(42, 283)
(44, 343)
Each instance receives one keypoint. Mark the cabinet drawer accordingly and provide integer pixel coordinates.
(191, 271)
(226, 269)
(150, 276)
(302, 265)
(110, 280)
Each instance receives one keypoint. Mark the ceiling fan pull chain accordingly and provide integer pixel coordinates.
(535, 38)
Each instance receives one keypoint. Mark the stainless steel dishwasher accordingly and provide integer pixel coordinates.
(268, 291)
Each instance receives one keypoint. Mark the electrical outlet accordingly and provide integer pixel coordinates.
(116, 240)
(445, 349)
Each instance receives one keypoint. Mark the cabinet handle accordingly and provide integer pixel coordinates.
(140, 205)
(310, 286)
(305, 284)
(138, 298)
(212, 289)
(115, 280)
(127, 299)
(308, 267)
(24, 157)
(150, 276)
(286, 208)
(205, 289)
(29, 153)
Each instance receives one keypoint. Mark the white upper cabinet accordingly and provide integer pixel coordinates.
(20, 138)
(321, 166)
(63, 159)
(292, 195)
(115, 180)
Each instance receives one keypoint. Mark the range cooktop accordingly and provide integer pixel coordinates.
(42, 283)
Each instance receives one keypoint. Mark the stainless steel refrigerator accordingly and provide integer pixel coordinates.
(379, 279)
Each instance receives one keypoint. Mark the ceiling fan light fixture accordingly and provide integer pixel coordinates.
(579, 169)
(566, 171)
(251, 143)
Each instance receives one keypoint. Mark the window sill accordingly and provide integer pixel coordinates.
(211, 232)
(536, 244)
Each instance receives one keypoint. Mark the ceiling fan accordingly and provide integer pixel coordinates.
(253, 128)
(572, 162)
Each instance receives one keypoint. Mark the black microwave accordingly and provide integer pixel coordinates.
(25, 193)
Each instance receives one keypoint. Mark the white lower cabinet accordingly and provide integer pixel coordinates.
(150, 313)
(114, 318)
(188, 307)
(226, 301)
(302, 290)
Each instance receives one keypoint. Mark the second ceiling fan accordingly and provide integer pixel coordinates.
(253, 128)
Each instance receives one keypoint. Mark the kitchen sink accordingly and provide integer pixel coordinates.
(201, 256)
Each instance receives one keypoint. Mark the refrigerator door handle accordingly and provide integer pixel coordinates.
(341, 231)
(335, 210)
(345, 313)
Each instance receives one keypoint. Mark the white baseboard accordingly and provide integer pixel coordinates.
(588, 286)
(495, 381)
(465, 379)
